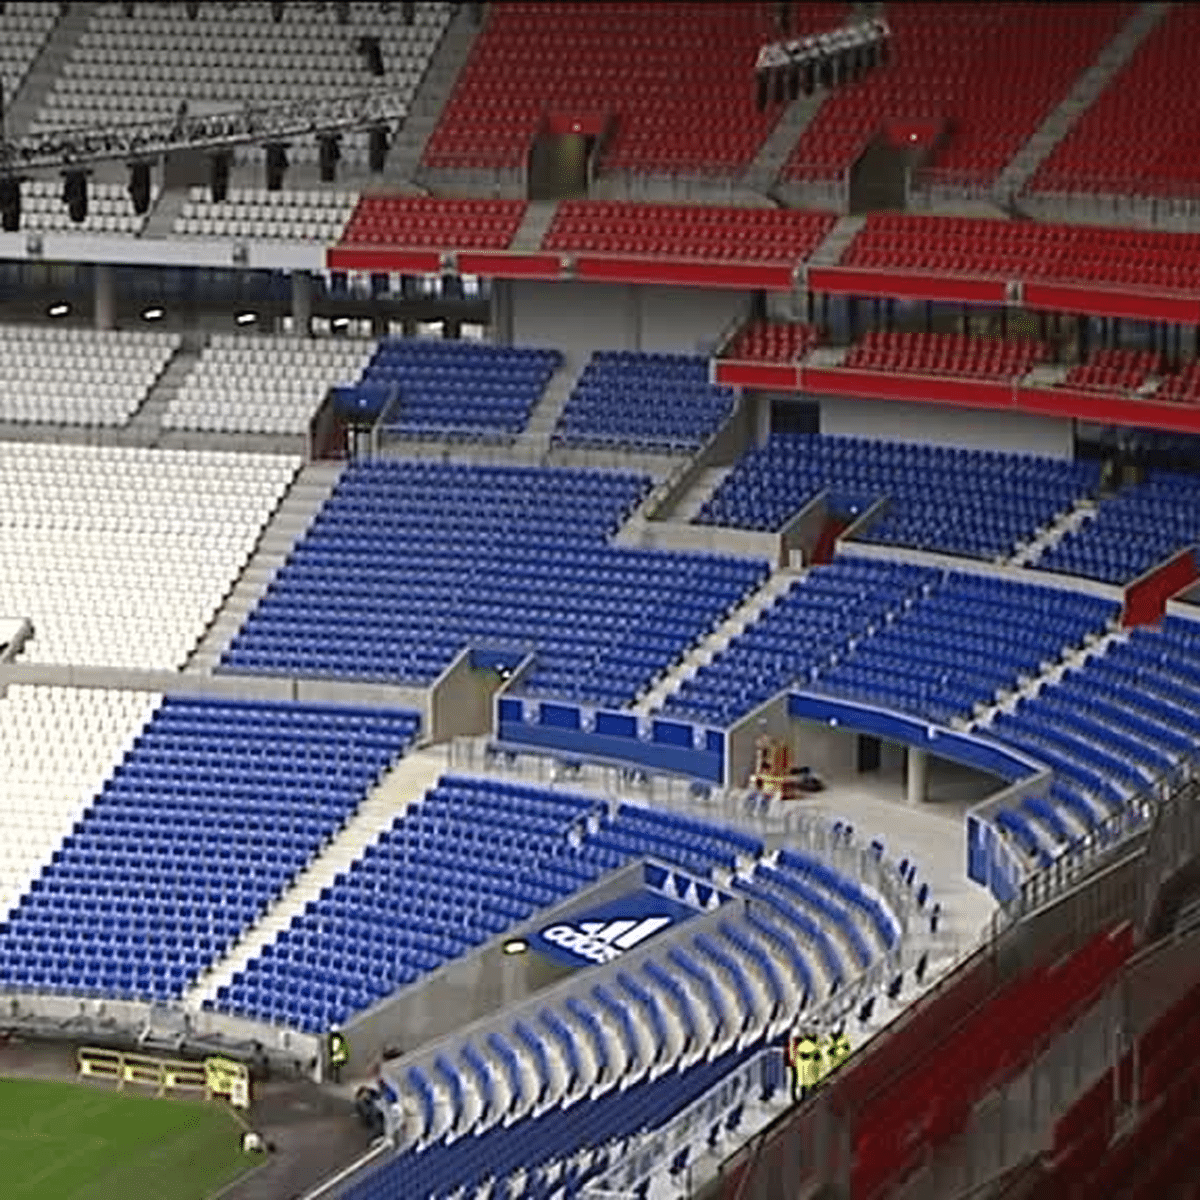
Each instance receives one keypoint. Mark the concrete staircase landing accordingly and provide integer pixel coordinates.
(290, 521)
(1029, 554)
(542, 420)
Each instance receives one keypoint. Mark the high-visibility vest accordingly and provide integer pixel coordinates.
(808, 1062)
(339, 1052)
(839, 1049)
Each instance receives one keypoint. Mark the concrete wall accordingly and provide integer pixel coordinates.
(943, 426)
(581, 317)
(460, 701)
(686, 320)
(576, 318)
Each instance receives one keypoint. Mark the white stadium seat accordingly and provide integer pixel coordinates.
(57, 746)
(253, 384)
(120, 557)
(257, 213)
(24, 29)
(139, 67)
(61, 376)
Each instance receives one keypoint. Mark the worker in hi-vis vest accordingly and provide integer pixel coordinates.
(339, 1052)
(806, 1065)
(838, 1051)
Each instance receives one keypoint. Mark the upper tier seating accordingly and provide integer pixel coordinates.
(57, 746)
(687, 230)
(974, 502)
(1028, 250)
(1113, 370)
(141, 67)
(24, 29)
(773, 341)
(66, 376)
(449, 388)
(301, 216)
(945, 354)
(991, 73)
(1131, 532)
(621, 61)
(1108, 149)
(118, 556)
(654, 402)
(246, 383)
(817, 618)
(502, 557)
(434, 222)
(212, 814)
(974, 637)
(109, 208)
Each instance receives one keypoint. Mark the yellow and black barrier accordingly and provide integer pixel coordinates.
(212, 1077)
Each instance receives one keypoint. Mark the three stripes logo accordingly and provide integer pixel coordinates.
(602, 941)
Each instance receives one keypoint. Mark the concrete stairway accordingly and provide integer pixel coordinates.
(146, 423)
(23, 107)
(546, 412)
(1073, 658)
(1082, 512)
(404, 159)
(836, 240)
(1082, 95)
(716, 640)
(160, 222)
(407, 781)
(537, 220)
(300, 504)
(699, 494)
(781, 141)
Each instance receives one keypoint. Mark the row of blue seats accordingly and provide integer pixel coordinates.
(1133, 531)
(220, 875)
(974, 502)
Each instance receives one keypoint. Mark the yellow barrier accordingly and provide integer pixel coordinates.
(213, 1077)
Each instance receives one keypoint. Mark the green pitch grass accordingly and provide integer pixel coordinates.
(66, 1141)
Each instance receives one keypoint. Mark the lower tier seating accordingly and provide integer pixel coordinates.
(409, 562)
(423, 894)
(212, 813)
(245, 383)
(654, 402)
(62, 376)
(57, 746)
(1133, 531)
(983, 504)
(119, 557)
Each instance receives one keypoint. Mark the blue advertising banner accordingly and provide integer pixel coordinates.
(604, 933)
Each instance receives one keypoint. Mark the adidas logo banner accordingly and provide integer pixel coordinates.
(602, 934)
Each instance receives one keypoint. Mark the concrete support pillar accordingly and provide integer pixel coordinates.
(105, 304)
(917, 773)
(301, 304)
(762, 419)
(502, 312)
